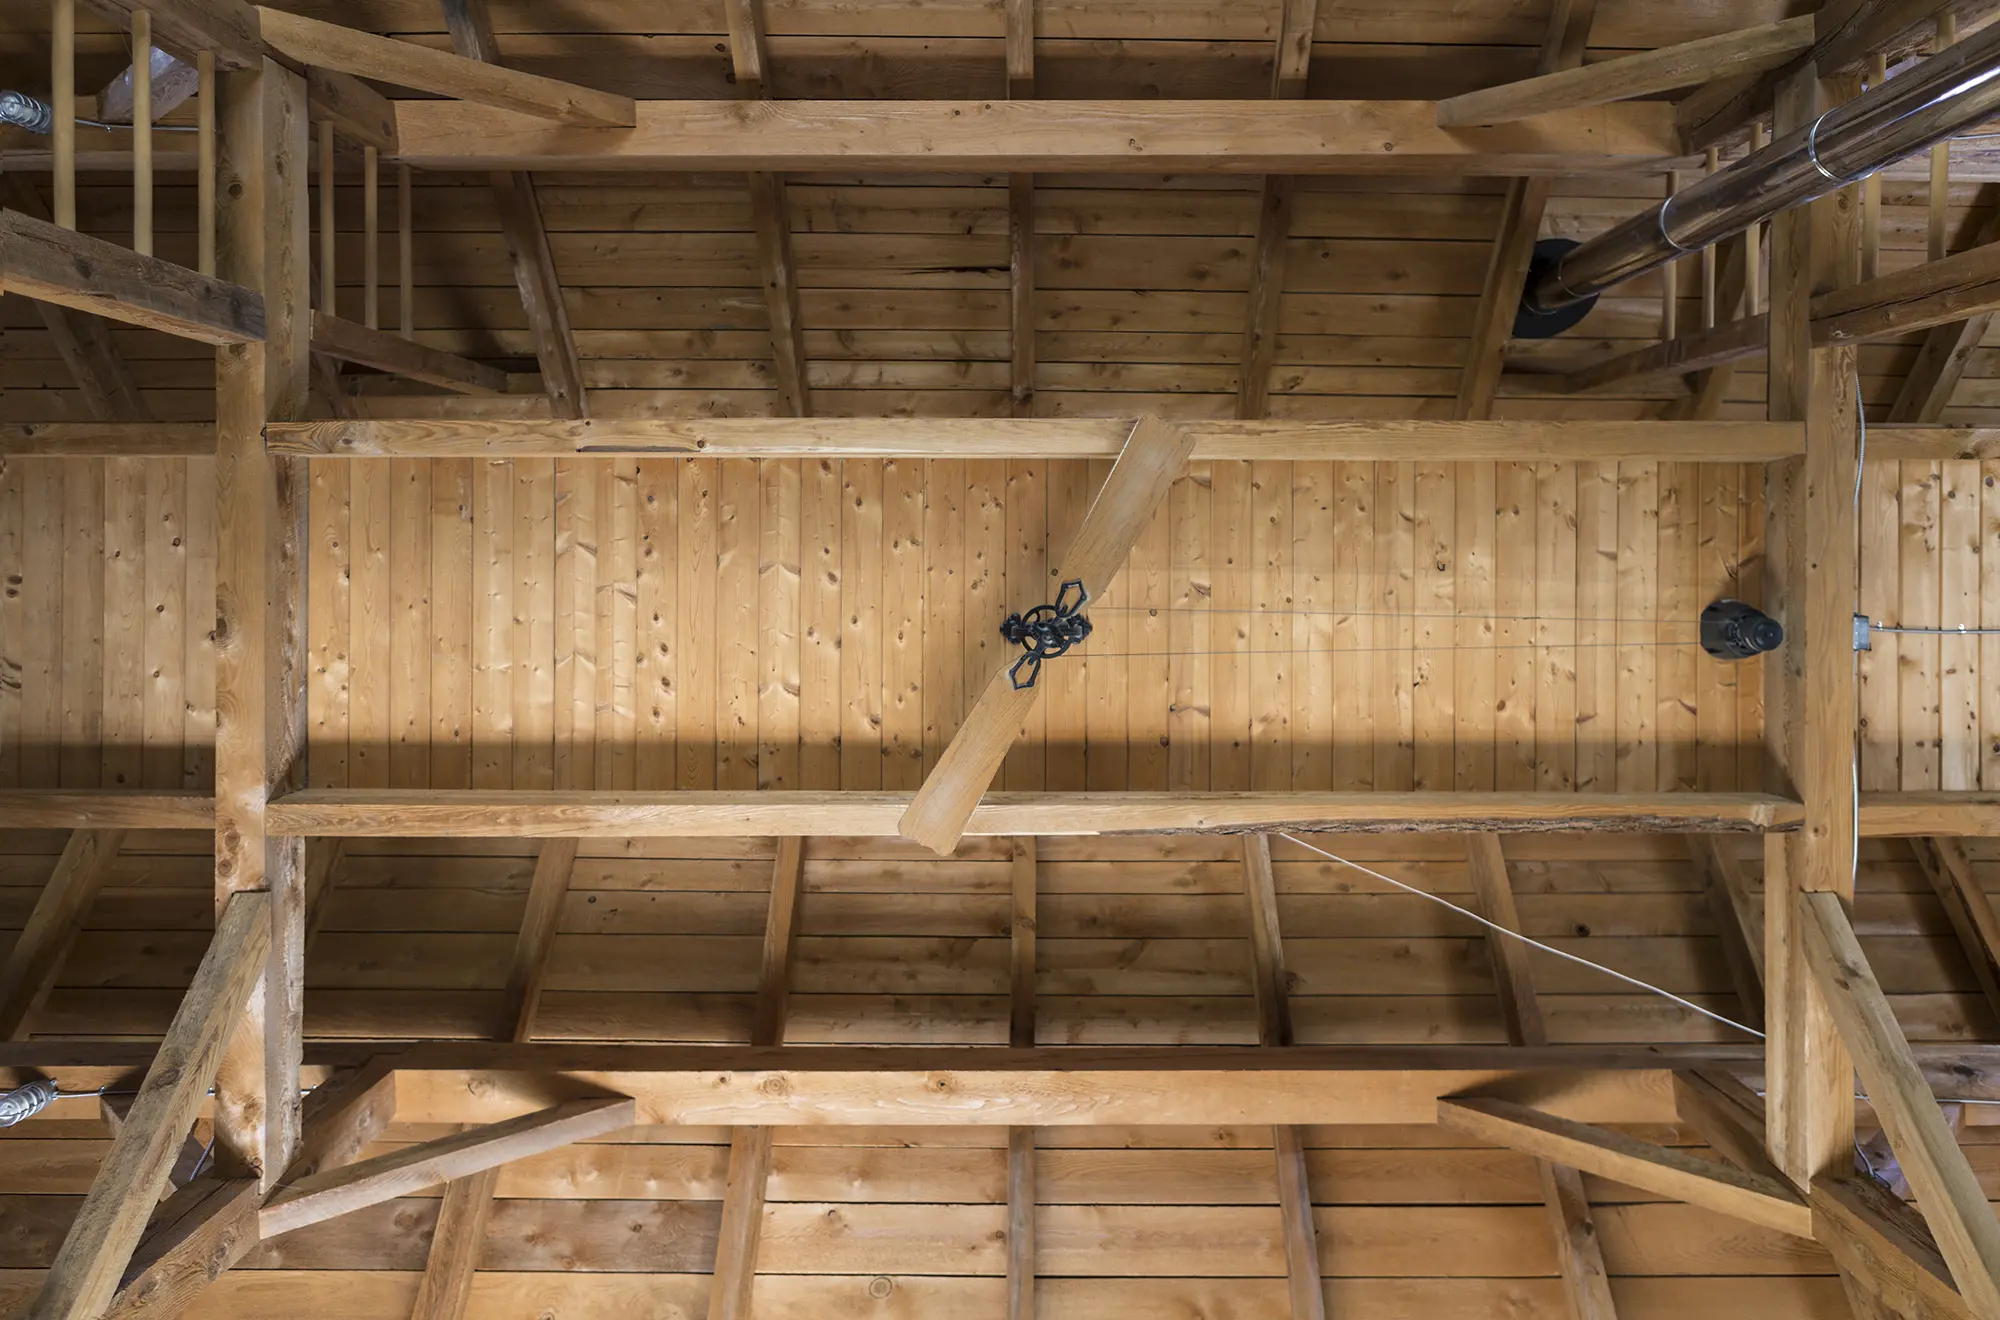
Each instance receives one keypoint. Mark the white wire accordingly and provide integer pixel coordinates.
(1517, 935)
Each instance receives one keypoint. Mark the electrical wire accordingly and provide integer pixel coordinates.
(1517, 935)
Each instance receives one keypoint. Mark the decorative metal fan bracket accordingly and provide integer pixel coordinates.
(1047, 631)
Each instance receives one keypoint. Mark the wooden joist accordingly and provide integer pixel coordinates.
(549, 813)
(89, 1267)
(345, 341)
(553, 865)
(1274, 1027)
(419, 68)
(342, 1116)
(200, 1231)
(1129, 136)
(1274, 218)
(228, 28)
(733, 1281)
(359, 114)
(30, 970)
(520, 209)
(1966, 906)
(1728, 1115)
(1914, 814)
(1062, 438)
(1563, 42)
(1586, 1279)
(1954, 1206)
(1021, 220)
(1941, 361)
(1884, 1250)
(1749, 50)
(1738, 913)
(1069, 1085)
(1664, 1170)
(770, 218)
(1698, 350)
(333, 1192)
(56, 265)
(1021, 1197)
(463, 1212)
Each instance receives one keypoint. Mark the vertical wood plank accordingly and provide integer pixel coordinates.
(861, 609)
(902, 615)
(13, 618)
(1270, 626)
(821, 627)
(372, 626)
(411, 640)
(1395, 572)
(734, 624)
(1597, 597)
(1675, 671)
(1917, 606)
(81, 618)
(1065, 698)
(1557, 553)
(617, 623)
(779, 571)
(942, 696)
(198, 662)
(1434, 676)
(1474, 662)
(1350, 634)
(658, 585)
(986, 589)
(1148, 674)
(1188, 723)
(123, 727)
(1959, 553)
(1878, 566)
(493, 625)
(1638, 607)
(695, 592)
(1517, 537)
(165, 610)
(1715, 700)
(576, 574)
(1231, 514)
(1027, 571)
(41, 598)
(451, 618)
(330, 612)
(534, 538)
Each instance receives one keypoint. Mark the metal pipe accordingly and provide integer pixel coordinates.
(1945, 95)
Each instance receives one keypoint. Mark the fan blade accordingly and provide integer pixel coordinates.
(1153, 456)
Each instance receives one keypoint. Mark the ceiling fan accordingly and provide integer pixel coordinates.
(1153, 456)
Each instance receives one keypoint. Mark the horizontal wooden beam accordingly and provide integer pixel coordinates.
(1041, 438)
(442, 73)
(90, 808)
(55, 265)
(358, 113)
(340, 1191)
(1750, 50)
(1698, 350)
(475, 813)
(226, 27)
(1905, 815)
(1751, 1197)
(1937, 292)
(347, 341)
(107, 440)
(1129, 136)
(480, 1082)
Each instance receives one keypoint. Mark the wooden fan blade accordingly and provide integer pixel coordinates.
(1153, 456)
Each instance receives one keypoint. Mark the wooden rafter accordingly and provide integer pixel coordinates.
(30, 970)
(1966, 905)
(1274, 218)
(1738, 913)
(1887, 1258)
(1021, 219)
(735, 1276)
(83, 341)
(1748, 50)
(446, 1287)
(1955, 1207)
(1026, 876)
(91, 1263)
(1274, 1027)
(1563, 44)
(1585, 1279)
(345, 341)
(1708, 389)
(1926, 392)
(51, 264)
(260, 648)
(554, 863)
(534, 263)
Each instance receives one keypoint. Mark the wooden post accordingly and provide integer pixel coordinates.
(262, 240)
(328, 225)
(62, 99)
(142, 132)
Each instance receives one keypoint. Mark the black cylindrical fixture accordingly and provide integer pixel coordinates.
(1948, 93)
(1731, 630)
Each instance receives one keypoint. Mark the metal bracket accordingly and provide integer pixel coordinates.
(1046, 632)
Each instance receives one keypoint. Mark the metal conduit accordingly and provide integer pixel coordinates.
(1944, 95)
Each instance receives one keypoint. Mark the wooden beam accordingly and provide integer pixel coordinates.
(992, 1086)
(520, 209)
(82, 341)
(1809, 696)
(1289, 63)
(525, 813)
(1728, 1115)
(334, 1192)
(104, 809)
(454, 1256)
(201, 1230)
(1137, 487)
(1586, 1280)
(421, 69)
(1021, 221)
(343, 1116)
(92, 1260)
(226, 27)
(344, 341)
(1738, 913)
(260, 643)
(1883, 1248)
(735, 1276)
(1951, 289)
(1046, 137)
(1625, 77)
(1967, 907)
(358, 113)
(29, 972)
(51, 264)
(1563, 42)
(780, 943)
(1628, 1160)
(1021, 1199)
(1274, 1028)
(1910, 814)
(1940, 364)
(1960, 1218)
(1698, 350)
(111, 439)
(1060, 438)
(553, 865)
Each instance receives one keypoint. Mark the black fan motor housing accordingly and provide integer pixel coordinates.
(1731, 630)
